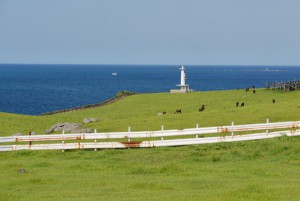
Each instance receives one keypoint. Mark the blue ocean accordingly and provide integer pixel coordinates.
(37, 89)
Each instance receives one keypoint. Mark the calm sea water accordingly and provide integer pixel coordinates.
(36, 89)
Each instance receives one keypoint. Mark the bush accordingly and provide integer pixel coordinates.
(124, 93)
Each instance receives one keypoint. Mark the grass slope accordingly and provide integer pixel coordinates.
(140, 112)
(254, 170)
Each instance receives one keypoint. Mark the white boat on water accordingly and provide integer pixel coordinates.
(114, 74)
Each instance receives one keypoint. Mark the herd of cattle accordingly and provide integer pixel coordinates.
(179, 110)
(237, 104)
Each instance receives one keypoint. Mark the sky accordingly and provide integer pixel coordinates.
(168, 32)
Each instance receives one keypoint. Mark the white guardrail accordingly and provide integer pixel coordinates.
(292, 126)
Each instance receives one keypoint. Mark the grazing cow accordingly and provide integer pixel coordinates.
(164, 112)
(201, 109)
(237, 104)
(247, 89)
(273, 100)
(242, 104)
(177, 111)
(254, 91)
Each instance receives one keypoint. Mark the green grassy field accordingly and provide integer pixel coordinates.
(254, 170)
(140, 112)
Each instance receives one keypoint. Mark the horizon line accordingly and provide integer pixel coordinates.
(215, 65)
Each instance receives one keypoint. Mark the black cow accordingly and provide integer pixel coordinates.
(254, 91)
(237, 104)
(247, 89)
(242, 104)
(177, 111)
(202, 108)
(273, 100)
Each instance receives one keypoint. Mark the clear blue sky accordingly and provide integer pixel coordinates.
(201, 32)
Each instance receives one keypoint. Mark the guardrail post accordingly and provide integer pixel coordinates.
(162, 129)
(129, 133)
(197, 126)
(30, 142)
(63, 141)
(267, 131)
(95, 131)
(232, 124)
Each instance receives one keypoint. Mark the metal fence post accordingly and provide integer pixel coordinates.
(63, 141)
(197, 126)
(162, 129)
(232, 124)
(95, 131)
(30, 142)
(129, 133)
(267, 131)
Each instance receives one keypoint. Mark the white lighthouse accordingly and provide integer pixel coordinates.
(183, 87)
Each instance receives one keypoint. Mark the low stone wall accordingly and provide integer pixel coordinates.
(177, 91)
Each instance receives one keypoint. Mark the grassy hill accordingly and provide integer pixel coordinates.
(140, 112)
(255, 170)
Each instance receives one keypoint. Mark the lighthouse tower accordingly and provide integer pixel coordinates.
(183, 87)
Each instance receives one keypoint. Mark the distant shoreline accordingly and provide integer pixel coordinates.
(34, 89)
(118, 97)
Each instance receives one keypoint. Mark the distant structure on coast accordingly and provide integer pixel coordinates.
(284, 86)
(184, 88)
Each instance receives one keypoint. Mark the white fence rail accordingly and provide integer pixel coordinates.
(292, 126)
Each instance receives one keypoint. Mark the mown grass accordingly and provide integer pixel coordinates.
(254, 170)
